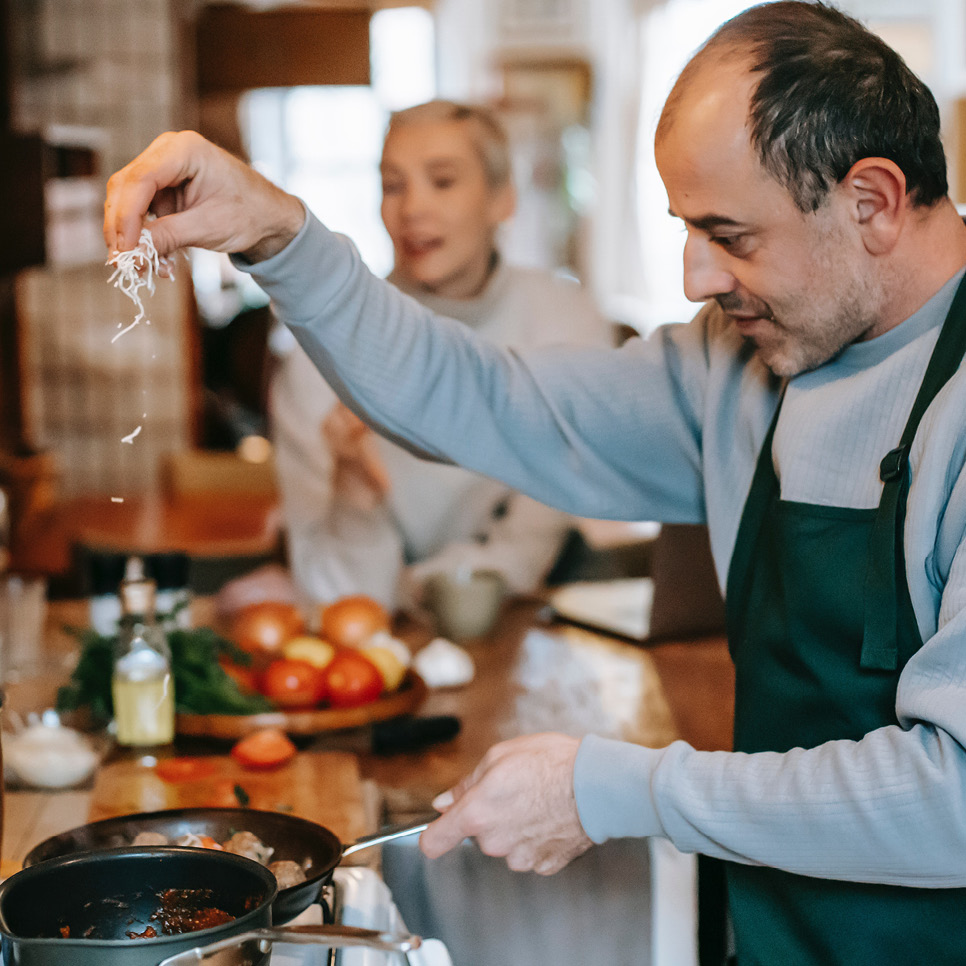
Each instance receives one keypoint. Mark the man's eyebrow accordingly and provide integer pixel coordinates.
(708, 222)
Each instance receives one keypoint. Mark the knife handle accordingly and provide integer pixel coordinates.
(406, 733)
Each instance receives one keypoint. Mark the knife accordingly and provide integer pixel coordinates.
(328, 935)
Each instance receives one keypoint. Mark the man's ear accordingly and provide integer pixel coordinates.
(876, 192)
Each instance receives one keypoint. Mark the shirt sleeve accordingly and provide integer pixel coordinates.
(550, 422)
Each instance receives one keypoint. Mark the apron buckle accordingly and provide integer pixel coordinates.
(894, 463)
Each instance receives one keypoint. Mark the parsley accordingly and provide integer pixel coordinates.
(201, 685)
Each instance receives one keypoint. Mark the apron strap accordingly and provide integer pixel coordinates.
(763, 485)
(886, 562)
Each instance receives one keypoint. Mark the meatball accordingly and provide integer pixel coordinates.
(249, 845)
(287, 872)
(150, 838)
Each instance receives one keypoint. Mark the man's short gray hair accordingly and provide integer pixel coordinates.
(829, 93)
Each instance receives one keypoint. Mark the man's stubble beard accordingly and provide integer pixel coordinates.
(851, 307)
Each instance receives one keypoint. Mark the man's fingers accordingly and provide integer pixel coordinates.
(443, 801)
(442, 835)
(132, 191)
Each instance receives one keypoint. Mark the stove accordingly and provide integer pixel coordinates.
(358, 897)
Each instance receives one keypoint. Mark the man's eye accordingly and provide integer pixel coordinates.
(735, 244)
(443, 183)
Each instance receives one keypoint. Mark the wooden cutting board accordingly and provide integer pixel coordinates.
(324, 787)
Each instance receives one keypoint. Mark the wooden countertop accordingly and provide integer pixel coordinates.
(534, 676)
(530, 676)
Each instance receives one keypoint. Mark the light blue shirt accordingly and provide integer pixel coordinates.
(669, 429)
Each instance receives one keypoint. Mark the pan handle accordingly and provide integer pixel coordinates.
(386, 835)
(328, 935)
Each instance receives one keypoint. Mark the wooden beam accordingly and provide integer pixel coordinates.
(240, 49)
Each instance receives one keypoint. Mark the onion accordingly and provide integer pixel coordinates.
(263, 628)
(351, 621)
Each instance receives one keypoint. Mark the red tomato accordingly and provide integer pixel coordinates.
(293, 684)
(185, 769)
(352, 679)
(267, 748)
(262, 629)
(351, 621)
(245, 677)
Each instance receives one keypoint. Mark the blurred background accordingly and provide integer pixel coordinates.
(303, 91)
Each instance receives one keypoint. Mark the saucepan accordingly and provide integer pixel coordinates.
(167, 906)
(315, 848)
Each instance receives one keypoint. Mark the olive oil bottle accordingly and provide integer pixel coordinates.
(141, 685)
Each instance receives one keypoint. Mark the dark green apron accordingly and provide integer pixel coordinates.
(820, 625)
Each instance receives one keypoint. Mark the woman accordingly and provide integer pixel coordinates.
(362, 514)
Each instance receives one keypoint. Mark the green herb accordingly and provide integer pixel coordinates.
(201, 685)
(243, 797)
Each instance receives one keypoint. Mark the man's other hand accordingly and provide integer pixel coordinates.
(518, 804)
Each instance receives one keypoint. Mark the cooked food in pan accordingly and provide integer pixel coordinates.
(245, 843)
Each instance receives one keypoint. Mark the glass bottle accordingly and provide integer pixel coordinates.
(141, 685)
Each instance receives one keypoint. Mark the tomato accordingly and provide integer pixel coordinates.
(245, 677)
(351, 621)
(305, 647)
(294, 684)
(267, 748)
(186, 769)
(352, 679)
(262, 628)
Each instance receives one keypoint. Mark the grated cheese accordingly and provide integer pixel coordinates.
(135, 270)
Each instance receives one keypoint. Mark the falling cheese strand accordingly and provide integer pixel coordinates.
(135, 270)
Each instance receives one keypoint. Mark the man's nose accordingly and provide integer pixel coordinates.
(705, 275)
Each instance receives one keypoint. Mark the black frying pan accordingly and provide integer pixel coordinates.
(112, 908)
(78, 910)
(313, 846)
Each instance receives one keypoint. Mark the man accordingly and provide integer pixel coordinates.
(804, 160)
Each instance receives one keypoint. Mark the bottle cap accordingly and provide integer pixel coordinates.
(137, 590)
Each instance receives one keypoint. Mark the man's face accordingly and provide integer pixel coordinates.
(438, 207)
(797, 285)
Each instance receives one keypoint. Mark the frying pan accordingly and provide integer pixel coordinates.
(314, 847)
(116, 891)
(83, 909)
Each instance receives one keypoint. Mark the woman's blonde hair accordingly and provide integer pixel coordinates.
(485, 131)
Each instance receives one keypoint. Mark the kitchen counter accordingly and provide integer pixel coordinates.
(530, 676)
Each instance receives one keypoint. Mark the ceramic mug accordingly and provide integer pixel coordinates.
(466, 603)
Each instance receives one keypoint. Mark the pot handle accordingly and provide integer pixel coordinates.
(386, 835)
(329, 935)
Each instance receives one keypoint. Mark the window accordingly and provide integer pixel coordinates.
(671, 34)
(324, 143)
